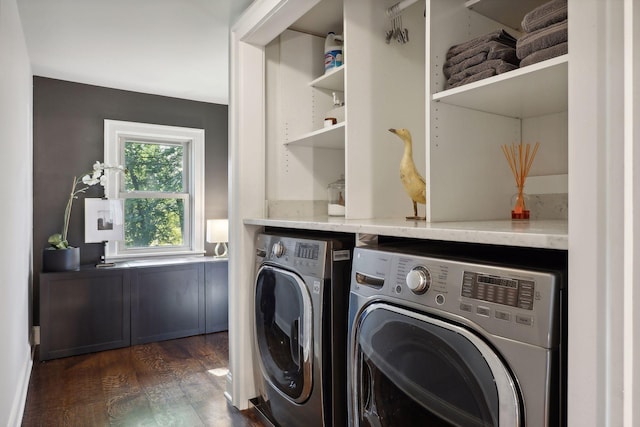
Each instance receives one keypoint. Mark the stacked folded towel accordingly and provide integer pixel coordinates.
(479, 58)
(545, 33)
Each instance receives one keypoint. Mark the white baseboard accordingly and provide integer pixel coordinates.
(227, 395)
(17, 408)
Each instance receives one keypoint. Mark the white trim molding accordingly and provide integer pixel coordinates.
(631, 304)
(114, 131)
(261, 22)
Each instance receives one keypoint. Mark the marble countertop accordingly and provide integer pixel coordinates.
(549, 234)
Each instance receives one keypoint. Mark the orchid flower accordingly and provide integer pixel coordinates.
(96, 176)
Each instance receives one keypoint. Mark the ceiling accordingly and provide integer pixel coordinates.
(176, 48)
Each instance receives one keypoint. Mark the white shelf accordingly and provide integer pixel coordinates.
(332, 80)
(506, 12)
(531, 91)
(331, 137)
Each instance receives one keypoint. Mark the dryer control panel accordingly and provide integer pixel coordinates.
(305, 250)
(307, 257)
(312, 256)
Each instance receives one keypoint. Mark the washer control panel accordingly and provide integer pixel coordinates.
(515, 303)
(498, 289)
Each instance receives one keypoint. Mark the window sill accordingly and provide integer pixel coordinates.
(157, 258)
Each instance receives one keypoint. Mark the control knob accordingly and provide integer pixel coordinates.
(278, 249)
(419, 280)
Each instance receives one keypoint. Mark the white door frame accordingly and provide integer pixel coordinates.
(259, 24)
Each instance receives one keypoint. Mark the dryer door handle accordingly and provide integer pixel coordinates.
(296, 350)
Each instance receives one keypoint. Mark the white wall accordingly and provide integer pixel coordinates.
(15, 215)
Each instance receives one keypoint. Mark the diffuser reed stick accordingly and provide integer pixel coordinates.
(520, 158)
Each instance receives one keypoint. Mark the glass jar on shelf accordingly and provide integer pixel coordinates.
(336, 195)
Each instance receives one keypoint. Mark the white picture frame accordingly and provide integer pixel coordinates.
(103, 220)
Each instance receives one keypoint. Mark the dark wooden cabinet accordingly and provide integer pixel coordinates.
(83, 311)
(99, 309)
(217, 295)
(167, 302)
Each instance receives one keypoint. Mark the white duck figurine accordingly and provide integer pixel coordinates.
(414, 184)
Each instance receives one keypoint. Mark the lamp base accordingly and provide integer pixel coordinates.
(220, 250)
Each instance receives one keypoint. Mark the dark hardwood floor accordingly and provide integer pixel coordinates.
(170, 383)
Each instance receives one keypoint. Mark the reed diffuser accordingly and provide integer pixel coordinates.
(520, 158)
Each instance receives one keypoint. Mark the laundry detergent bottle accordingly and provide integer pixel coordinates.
(333, 55)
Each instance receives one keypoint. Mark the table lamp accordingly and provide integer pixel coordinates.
(218, 233)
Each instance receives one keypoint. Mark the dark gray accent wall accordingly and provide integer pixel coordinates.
(68, 134)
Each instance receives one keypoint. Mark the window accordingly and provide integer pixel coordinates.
(163, 189)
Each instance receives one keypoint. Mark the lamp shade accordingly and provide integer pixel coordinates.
(217, 230)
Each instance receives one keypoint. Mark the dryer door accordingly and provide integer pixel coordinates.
(284, 331)
(411, 369)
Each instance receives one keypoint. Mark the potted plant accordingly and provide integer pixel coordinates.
(60, 256)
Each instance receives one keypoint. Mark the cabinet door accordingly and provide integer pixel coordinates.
(83, 311)
(167, 302)
(217, 296)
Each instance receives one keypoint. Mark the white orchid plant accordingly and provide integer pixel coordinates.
(81, 185)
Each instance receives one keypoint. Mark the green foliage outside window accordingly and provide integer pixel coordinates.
(158, 218)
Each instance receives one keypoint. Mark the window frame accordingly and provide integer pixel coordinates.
(116, 132)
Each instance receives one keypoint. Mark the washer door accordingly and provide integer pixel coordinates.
(411, 369)
(283, 316)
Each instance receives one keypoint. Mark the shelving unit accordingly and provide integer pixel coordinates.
(302, 156)
(468, 176)
(326, 137)
(331, 80)
(331, 137)
(457, 133)
(510, 16)
(536, 90)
